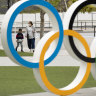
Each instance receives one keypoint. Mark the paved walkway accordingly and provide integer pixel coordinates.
(81, 92)
(63, 59)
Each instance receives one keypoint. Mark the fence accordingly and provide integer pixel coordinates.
(85, 27)
(81, 25)
(94, 31)
(84, 24)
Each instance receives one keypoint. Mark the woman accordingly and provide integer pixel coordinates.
(30, 35)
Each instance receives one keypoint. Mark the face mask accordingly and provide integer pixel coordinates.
(29, 25)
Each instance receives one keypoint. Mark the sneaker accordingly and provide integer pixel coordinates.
(31, 51)
(16, 49)
(22, 51)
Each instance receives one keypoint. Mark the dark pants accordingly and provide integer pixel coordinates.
(31, 43)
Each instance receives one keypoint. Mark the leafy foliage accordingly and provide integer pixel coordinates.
(56, 3)
(88, 8)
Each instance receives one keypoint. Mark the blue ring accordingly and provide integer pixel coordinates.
(9, 32)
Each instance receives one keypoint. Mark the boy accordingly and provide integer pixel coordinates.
(19, 38)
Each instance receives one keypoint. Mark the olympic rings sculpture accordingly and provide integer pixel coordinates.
(52, 44)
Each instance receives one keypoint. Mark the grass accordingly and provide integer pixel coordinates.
(20, 80)
(2, 53)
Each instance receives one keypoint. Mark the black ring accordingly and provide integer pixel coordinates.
(75, 50)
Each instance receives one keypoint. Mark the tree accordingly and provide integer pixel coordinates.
(60, 5)
(11, 2)
(42, 23)
(88, 8)
(42, 13)
(8, 2)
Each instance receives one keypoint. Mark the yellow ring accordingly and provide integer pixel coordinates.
(41, 64)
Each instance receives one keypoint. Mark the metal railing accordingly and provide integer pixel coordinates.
(82, 26)
(94, 31)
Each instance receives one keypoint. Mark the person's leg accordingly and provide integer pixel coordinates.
(29, 43)
(21, 47)
(33, 44)
(17, 46)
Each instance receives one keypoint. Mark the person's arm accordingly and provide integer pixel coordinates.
(17, 36)
(34, 29)
(22, 36)
(34, 32)
(26, 32)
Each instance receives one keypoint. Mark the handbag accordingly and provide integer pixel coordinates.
(27, 35)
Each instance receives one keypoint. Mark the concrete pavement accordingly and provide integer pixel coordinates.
(63, 59)
(81, 92)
